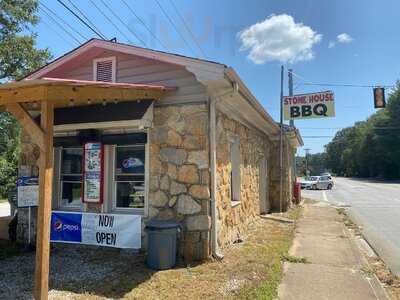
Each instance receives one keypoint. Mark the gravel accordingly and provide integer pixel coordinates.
(73, 269)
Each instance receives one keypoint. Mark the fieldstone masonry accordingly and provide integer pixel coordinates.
(179, 174)
(233, 220)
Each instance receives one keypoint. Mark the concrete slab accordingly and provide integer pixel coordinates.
(335, 261)
(318, 227)
(326, 250)
(323, 282)
(324, 213)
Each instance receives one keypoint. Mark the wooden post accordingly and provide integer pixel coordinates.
(44, 208)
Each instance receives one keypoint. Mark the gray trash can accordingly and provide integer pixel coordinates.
(161, 246)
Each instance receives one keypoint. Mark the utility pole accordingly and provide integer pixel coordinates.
(291, 122)
(290, 75)
(307, 152)
(281, 146)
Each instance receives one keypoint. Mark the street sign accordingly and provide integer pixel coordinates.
(309, 106)
(379, 97)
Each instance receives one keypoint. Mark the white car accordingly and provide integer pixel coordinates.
(317, 183)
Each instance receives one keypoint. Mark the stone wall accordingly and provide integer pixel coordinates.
(233, 220)
(179, 174)
(288, 177)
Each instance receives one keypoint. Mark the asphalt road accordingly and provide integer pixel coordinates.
(375, 206)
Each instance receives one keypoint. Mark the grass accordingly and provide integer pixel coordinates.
(250, 270)
(294, 259)
(3, 200)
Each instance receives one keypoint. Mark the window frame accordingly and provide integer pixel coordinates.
(113, 182)
(60, 203)
(113, 69)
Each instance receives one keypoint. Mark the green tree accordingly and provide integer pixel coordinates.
(18, 56)
(370, 148)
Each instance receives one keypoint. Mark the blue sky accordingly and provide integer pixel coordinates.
(370, 56)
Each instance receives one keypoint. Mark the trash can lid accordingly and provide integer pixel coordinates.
(161, 224)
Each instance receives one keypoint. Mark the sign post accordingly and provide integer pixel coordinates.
(28, 196)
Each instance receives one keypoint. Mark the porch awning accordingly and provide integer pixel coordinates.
(66, 92)
(48, 95)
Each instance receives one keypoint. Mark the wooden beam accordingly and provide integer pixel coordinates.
(27, 123)
(44, 208)
(60, 95)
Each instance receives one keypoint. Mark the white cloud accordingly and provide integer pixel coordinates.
(331, 44)
(279, 38)
(344, 38)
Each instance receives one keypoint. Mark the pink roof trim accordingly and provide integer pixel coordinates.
(105, 84)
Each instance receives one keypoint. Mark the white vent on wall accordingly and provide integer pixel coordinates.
(104, 69)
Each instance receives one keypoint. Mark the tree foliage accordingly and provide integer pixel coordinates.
(18, 57)
(370, 148)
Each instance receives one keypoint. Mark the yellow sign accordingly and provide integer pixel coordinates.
(309, 106)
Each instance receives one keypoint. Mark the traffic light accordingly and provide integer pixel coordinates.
(379, 97)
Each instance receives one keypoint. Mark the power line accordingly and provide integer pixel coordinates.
(80, 19)
(123, 23)
(66, 23)
(55, 31)
(307, 82)
(94, 29)
(59, 25)
(173, 25)
(348, 85)
(144, 24)
(112, 23)
(188, 28)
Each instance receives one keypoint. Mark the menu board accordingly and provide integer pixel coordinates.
(93, 173)
(27, 191)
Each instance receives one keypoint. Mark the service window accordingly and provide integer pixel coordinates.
(71, 177)
(129, 177)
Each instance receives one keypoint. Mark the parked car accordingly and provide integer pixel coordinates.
(321, 183)
(327, 174)
(317, 183)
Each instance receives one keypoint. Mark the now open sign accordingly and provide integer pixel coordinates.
(309, 106)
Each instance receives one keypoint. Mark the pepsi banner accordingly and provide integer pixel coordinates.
(109, 230)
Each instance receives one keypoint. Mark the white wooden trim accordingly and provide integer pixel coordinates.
(134, 211)
(139, 124)
(113, 64)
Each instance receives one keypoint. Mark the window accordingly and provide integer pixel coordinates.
(235, 172)
(104, 69)
(71, 177)
(129, 177)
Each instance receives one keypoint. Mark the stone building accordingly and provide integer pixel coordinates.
(207, 152)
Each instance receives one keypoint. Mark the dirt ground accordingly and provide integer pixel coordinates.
(250, 269)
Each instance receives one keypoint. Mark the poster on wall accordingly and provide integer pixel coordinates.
(93, 173)
(27, 191)
(109, 230)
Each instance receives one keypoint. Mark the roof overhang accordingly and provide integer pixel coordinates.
(66, 93)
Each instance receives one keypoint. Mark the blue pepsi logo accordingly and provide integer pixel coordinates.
(58, 225)
(131, 162)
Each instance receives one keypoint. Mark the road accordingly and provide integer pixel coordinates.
(4, 209)
(375, 206)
